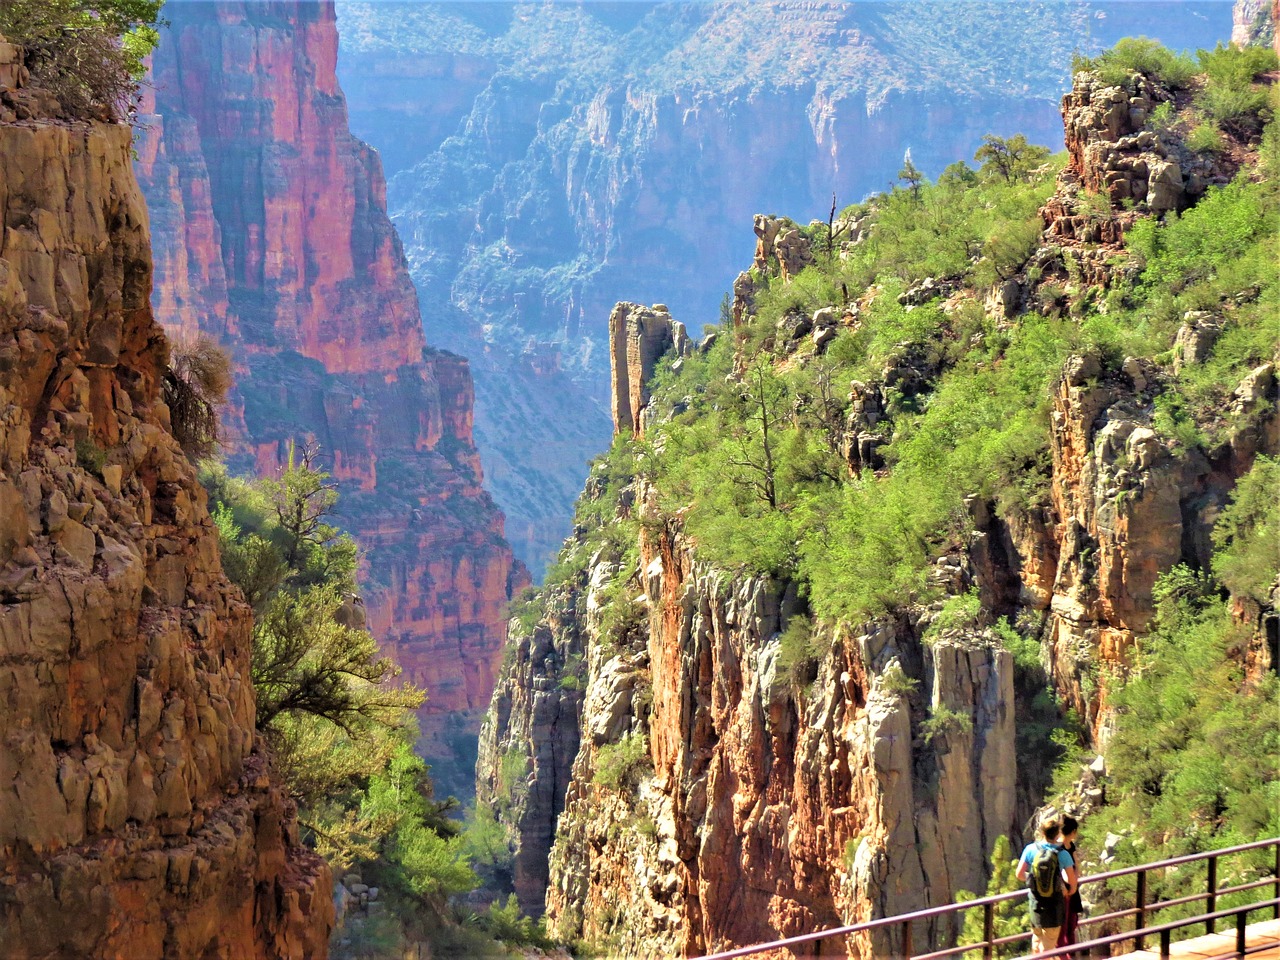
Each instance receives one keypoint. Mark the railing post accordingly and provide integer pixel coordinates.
(906, 940)
(989, 930)
(1241, 940)
(1212, 904)
(1276, 894)
(1165, 936)
(1140, 918)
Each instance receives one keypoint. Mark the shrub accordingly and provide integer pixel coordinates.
(1206, 138)
(506, 923)
(89, 54)
(617, 764)
(1193, 757)
(511, 771)
(895, 681)
(485, 839)
(1247, 535)
(1010, 916)
(1139, 55)
(195, 387)
(1229, 95)
(1026, 651)
(798, 647)
(90, 456)
(943, 722)
(960, 612)
(1162, 118)
(1012, 158)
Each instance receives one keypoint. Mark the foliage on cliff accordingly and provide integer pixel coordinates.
(958, 317)
(90, 54)
(341, 728)
(862, 543)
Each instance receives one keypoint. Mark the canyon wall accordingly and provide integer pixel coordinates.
(272, 237)
(139, 817)
(1254, 21)
(549, 161)
(675, 779)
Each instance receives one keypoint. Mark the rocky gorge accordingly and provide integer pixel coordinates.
(139, 816)
(270, 227)
(688, 759)
(548, 161)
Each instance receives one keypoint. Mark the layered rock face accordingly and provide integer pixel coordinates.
(765, 804)
(1126, 504)
(771, 812)
(138, 818)
(584, 155)
(638, 338)
(1254, 21)
(272, 222)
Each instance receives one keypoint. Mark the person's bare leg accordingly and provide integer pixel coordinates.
(1044, 938)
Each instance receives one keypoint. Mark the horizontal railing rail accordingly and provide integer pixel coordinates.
(1164, 930)
(905, 922)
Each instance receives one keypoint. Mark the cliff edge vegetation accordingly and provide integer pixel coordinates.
(965, 487)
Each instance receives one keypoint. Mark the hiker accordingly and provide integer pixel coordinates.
(1075, 905)
(1050, 875)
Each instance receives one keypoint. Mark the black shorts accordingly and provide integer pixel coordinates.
(1048, 914)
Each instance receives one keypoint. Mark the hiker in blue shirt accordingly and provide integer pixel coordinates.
(1050, 875)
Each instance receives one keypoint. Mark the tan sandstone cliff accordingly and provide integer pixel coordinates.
(137, 817)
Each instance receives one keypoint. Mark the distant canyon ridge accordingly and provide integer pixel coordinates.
(548, 160)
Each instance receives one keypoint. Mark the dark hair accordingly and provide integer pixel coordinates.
(1070, 825)
(1049, 827)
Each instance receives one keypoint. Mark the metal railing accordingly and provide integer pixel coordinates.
(1139, 911)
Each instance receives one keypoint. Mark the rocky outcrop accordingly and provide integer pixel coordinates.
(138, 817)
(272, 219)
(764, 792)
(1254, 22)
(771, 810)
(530, 738)
(742, 774)
(769, 799)
(638, 338)
(1126, 504)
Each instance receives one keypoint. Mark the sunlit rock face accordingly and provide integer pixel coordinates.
(139, 818)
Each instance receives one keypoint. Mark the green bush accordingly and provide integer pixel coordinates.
(895, 681)
(1010, 916)
(90, 54)
(618, 764)
(1194, 759)
(1230, 71)
(505, 922)
(1247, 536)
(1206, 138)
(1162, 118)
(90, 456)
(799, 647)
(943, 721)
(512, 769)
(960, 612)
(484, 838)
(1139, 55)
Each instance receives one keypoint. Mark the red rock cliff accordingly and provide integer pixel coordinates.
(138, 818)
(272, 221)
